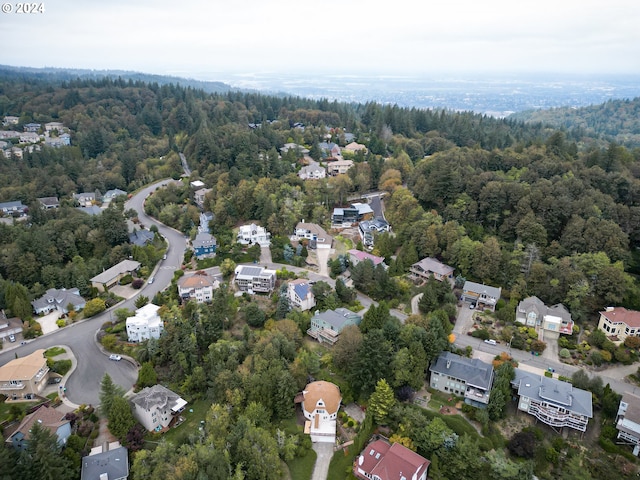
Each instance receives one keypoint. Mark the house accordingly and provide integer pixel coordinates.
(50, 126)
(330, 150)
(320, 405)
(48, 418)
(24, 378)
(110, 277)
(619, 323)
(326, 326)
(554, 402)
(63, 140)
(155, 407)
(422, 270)
(145, 324)
(199, 196)
(85, 199)
(197, 184)
(481, 295)
(466, 377)
(16, 209)
(111, 194)
(357, 256)
(9, 327)
(31, 127)
(380, 460)
(368, 228)
(299, 149)
(15, 152)
(10, 120)
(141, 237)
(255, 279)
(250, 234)
(48, 203)
(339, 167)
(111, 463)
(355, 147)
(204, 245)
(198, 287)
(312, 172)
(317, 236)
(59, 300)
(205, 219)
(628, 421)
(300, 294)
(29, 137)
(93, 210)
(352, 214)
(549, 321)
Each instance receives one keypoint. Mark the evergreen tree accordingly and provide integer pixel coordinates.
(381, 402)
(120, 418)
(108, 391)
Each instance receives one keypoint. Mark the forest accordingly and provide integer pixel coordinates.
(536, 209)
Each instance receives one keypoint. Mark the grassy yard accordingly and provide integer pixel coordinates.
(54, 351)
(5, 408)
(340, 466)
(179, 434)
(439, 399)
(301, 468)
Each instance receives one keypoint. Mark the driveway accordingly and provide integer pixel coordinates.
(48, 322)
(415, 301)
(265, 255)
(464, 322)
(323, 257)
(324, 452)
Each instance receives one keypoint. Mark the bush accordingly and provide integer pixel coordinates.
(61, 323)
(596, 358)
(564, 353)
(126, 280)
(606, 355)
(632, 342)
(481, 333)
(94, 307)
(548, 374)
(138, 282)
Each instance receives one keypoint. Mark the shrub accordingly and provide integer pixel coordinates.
(564, 353)
(126, 280)
(61, 323)
(94, 307)
(596, 358)
(138, 283)
(632, 342)
(548, 374)
(606, 355)
(481, 333)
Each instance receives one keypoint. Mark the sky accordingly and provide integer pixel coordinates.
(199, 39)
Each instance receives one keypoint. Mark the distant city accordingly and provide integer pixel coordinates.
(498, 97)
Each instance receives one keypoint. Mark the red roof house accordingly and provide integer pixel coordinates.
(380, 460)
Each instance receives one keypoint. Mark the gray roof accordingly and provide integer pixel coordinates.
(493, 292)
(49, 201)
(124, 266)
(430, 264)
(556, 392)
(536, 305)
(16, 204)
(60, 298)
(92, 210)
(141, 237)
(113, 193)
(203, 239)
(473, 371)
(245, 271)
(115, 463)
(156, 396)
(338, 317)
(302, 289)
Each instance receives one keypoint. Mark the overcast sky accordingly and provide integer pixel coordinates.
(198, 38)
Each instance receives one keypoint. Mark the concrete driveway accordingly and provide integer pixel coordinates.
(324, 452)
(323, 257)
(464, 322)
(48, 322)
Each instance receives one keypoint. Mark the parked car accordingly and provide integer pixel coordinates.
(151, 280)
(115, 357)
(12, 338)
(491, 341)
(472, 306)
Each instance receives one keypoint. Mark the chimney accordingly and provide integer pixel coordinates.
(610, 309)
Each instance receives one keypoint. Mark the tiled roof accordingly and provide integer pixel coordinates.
(156, 396)
(326, 392)
(23, 368)
(196, 281)
(430, 264)
(47, 417)
(631, 318)
(473, 371)
(360, 255)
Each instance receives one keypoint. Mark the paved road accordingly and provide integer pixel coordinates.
(83, 386)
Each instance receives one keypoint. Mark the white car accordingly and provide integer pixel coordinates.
(115, 357)
(12, 338)
(491, 341)
(151, 280)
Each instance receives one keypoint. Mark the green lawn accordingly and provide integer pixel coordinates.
(5, 408)
(301, 468)
(178, 435)
(341, 464)
(53, 351)
(440, 398)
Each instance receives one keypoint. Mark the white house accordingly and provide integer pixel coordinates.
(320, 405)
(145, 324)
(250, 234)
(54, 299)
(198, 287)
(155, 407)
(255, 279)
(317, 236)
(628, 421)
(312, 172)
(300, 294)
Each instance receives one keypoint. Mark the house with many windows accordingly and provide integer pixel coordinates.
(381, 460)
(465, 377)
(313, 171)
(156, 407)
(357, 256)
(317, 236)
(145, 324)
(354, 213)
(300, 294)
(556, 403)
(483, 296)
(251, 234)
(24, 378)
(49, 419)
(628, 421)
(320, 405)
(550, 322)
(204, 245)
(326, 326)
(422, 270)
(618, 323)
(255, 279)
(198, 287)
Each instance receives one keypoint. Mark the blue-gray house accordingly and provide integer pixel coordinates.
(48, 418)
(327, 326)
(204, 245)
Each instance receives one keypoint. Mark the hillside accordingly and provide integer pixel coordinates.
(615, 120)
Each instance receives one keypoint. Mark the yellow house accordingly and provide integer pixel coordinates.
(24, 378)
(620, 323)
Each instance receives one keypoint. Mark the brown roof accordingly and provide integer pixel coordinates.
(326, 392)
(196, 281)
(24, 368)
(47, 417)
(391, 462)
(631, 318)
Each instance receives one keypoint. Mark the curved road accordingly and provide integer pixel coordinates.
(83, 385)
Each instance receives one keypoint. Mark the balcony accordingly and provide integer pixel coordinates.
(553, 417)
(12, 386)
(41, 373)
(477, 395)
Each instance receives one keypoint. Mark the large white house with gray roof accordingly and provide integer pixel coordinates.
(155, 407)
(466, 377)
(554, 402)
(326, 326)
